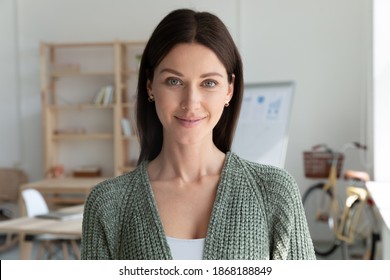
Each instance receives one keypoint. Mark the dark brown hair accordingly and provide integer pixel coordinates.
(187, 26)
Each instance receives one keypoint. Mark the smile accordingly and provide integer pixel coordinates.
(189, 122)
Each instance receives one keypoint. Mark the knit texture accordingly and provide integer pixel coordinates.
(257, 215)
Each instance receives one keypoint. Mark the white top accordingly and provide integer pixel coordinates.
(186, 249)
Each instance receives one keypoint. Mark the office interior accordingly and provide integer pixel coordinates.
(335, 52)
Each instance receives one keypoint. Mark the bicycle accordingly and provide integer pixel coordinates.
(353, 227)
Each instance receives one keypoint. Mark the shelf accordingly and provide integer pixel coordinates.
(80, 44)
(81, 106)
(134, 43)
(83, 136)
(81, 74)
(70, 74)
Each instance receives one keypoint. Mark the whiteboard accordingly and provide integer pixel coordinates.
(262, 130)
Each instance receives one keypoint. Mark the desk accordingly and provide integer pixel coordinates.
(380, 193)
(54, 188)
(31, 226)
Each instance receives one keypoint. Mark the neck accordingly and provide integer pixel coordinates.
(187, 163)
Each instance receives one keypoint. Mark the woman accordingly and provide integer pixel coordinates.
(190, 197)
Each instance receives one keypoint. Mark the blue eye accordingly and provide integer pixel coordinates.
(209, 83)
(174, 82)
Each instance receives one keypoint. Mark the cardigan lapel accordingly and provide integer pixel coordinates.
(215, 214)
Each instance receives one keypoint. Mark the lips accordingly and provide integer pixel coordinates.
(190, 121)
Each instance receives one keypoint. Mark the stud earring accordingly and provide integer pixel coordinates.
(151, 98)
(227, 104)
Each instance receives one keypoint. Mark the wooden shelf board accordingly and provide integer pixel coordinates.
(134, 43)
(79, 44)
(82, 136)
(81, 74)
(81, 106)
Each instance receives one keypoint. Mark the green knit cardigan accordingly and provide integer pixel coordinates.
(257, 215)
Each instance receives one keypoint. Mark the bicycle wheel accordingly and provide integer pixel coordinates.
(321, 219)
(362, 225)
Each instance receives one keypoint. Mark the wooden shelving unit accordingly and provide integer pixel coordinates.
(76, 131)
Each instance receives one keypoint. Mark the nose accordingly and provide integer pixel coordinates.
(190, 98)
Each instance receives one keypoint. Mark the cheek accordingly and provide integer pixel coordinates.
(164, 108)
(219, 102)
(167, 99)
(219, 112)
(215, 109)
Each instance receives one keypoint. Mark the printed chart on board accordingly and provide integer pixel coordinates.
(262, 131)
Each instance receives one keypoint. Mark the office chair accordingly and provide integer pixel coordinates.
(35, 205)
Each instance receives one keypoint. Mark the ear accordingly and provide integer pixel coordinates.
(149, 87)
(229, 95)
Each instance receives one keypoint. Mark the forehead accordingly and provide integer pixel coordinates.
(192, 55)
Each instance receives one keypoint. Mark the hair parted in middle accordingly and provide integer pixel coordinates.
(187, 26)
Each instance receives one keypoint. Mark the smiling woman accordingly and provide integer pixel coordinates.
(187, 95)
(190, 197)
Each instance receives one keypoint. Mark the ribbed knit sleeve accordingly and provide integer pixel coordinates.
(101, 221)
(289, 233)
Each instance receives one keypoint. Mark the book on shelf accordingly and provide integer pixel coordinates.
(104, 96)
(108, 94)
(126, 128)
(62, 216)
(97, 99)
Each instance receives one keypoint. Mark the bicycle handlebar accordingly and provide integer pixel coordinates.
(337, 155)
(347, 145)
(360, 146)
(319, 146)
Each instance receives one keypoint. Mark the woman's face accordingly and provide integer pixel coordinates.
(190, 88)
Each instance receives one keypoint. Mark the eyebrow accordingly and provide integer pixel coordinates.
(169, 70)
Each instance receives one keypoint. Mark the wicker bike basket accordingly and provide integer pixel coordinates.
(317, 164)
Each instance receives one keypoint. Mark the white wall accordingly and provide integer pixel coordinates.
(382, 90)
(322, 45)
(10, 150)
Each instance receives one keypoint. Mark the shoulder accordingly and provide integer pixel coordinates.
(113, 190)
(273, 183)
(262, 172)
